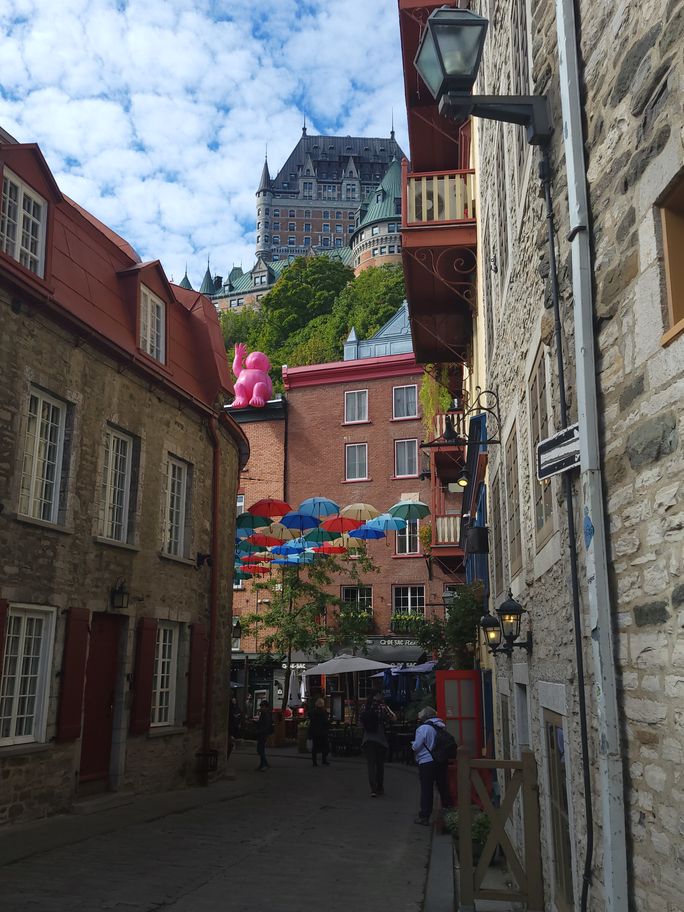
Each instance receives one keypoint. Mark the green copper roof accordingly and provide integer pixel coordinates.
(185, 282)
(207, 287)
(382, 204)
(343, 254)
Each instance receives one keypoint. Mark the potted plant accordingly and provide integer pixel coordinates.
(479, 829)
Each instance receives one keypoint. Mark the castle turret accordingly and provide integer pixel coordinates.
(263, 219)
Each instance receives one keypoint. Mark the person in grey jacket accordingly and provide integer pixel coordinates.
(430, 773)
(374, 718)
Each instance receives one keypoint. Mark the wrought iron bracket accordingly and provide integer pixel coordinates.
(509, 646)
(486, 402)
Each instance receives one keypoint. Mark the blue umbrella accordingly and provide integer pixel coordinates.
(299, 521)
(365, 532)
(386, 522)
(294, 559)
(319, 506)
(289, 548)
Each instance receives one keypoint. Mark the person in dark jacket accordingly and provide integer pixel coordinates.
(375, 719)
(264, 728)
(234, 724)
(319, 723)
(430, 773)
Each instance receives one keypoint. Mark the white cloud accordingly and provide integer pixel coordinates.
(155, 114)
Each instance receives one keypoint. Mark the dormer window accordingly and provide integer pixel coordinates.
(22, 223)
(152, 325)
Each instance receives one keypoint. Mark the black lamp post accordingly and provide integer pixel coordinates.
(448, 59)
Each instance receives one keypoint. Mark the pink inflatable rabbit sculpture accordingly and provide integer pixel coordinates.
(252, 384)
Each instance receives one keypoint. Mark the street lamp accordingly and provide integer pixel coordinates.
(491, 629)
(448, 59)
(449, 597)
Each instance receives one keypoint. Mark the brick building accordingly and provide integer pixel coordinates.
(351, 431)
(118, 477)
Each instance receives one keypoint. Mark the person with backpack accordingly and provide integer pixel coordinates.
(264, 728)
(433, 747)
(375, 717)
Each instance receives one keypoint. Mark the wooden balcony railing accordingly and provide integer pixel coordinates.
(446, 530)
(456, 420)
(439, 197)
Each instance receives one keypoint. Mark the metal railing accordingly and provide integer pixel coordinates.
(437, 197)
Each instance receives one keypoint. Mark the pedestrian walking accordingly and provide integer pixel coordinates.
(319, 723)
(433, 769)
(264, 728)
(376, 716)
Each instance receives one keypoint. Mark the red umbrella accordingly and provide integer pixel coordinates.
(331, 549)
(256, 568)
(254, 560)
(259, 538)
(268, 506)
(340, 524)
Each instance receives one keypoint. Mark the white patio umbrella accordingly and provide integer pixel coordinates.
(343, 664)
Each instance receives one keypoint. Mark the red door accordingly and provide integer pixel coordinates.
(459, 704)
(100, 684)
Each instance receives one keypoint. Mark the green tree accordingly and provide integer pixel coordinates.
(240, 326)
(298, 606)
(450, 639)
(367, 303)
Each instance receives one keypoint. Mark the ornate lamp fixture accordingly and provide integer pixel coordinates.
(506, 627)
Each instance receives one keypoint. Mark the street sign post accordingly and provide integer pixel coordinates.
(558, 453)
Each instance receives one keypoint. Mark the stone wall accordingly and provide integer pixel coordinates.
(633, 136)
(69, 566)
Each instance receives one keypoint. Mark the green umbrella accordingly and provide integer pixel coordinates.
(410, 509)
(241, 575)
(245, 547)
(320, 535)
(249, 521)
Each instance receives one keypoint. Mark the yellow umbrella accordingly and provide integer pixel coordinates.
(361, 512)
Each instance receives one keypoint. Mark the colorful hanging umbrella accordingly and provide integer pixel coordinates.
(386, 522)
(300, 521)
(281, 532)
(249, 521)
(330, 549)
(257, 568)
(265, 541)
(256, 558)
(341, 524)
(319, 535)
(319, 506)
(292, 547)
(246, 547)
(410, 509)
(360, 511)
(268, 507)
(364, 532)
(241, 575)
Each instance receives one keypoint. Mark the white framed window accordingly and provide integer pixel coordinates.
(405, 401)
(116, 485)
(355, 406)
(176, 504)
(23, 220)
(356, 461)
(375, 230)
(406, 458)
(408, 600)
(559, 809)
(152, 325)
(25, 674)
(41, 471)
(165, 674)
(358, 598)
(407, 538)
(240, 508)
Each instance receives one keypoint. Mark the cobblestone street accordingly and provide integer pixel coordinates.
(289, 839)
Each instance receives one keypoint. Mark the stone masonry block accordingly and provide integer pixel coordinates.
(652, 440)
(651, 613)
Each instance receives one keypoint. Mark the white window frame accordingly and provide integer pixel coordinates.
(239, 508)
(356, 393)
(397, 473)
(152, 308)
(395, 389)
(414, 596)
(347, 448)
(175, 546)
(356, 603)
(110, 469)
(14, 246)
(32, 494)
(165, 715)
(42, 676)
(404, 537)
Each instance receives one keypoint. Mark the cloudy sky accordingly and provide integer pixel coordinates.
(155, 114)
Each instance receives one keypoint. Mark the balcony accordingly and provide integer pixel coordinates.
(446, 530)
(406, 624)
(439, 254)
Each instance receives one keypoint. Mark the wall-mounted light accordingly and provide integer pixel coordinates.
(118, 595)
(506, 627)
(202, 559)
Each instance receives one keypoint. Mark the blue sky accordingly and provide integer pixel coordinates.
(155, 114)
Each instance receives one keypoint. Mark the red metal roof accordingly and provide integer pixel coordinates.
(350, 371)
(93, 278)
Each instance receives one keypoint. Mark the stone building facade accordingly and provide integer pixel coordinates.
(631, 102)
(118, 478)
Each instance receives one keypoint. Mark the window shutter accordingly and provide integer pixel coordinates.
(73, 674)
(141, 706)
(4, 611)
(198, 656)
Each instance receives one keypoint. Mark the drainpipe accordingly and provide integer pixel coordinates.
(213, 598)
(610, 787)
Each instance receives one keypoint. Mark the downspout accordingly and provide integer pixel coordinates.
(213, 597)
(611, 787)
